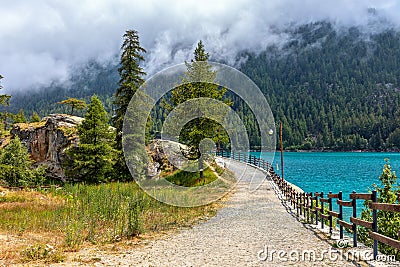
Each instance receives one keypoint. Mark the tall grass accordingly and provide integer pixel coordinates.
(191, 179)
(93, 213)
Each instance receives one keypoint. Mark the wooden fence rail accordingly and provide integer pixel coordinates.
(320, 207)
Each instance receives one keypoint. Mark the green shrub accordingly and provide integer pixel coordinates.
(388, 222)
(16, 166)
(41, 252)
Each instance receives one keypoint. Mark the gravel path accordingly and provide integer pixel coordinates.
(238, 235)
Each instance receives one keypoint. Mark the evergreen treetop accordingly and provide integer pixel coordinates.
(93, 158)
(131, 78)
(35, 117)
(94, 128)
(20, 117)
(74, 104)
(199, 81)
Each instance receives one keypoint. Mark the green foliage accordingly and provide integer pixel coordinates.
(131, 78)
(394, 138)
(16, 166)
(388, 222)
(95, 213)
(199, 81)
(134, 125)
(20, 117)
(3, 131)
(74, 104)
(335, 90)
(44, 252)
(92, 159)
(35, 117)
(191, 179)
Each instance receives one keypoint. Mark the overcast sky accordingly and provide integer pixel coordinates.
(41, 40)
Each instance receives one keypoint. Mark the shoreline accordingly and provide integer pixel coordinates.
(332, 150)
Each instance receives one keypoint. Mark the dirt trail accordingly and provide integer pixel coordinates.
(239, 235)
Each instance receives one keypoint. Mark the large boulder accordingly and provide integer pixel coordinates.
(47, 140)
(158, 160)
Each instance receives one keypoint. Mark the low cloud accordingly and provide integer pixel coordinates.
(42, 40)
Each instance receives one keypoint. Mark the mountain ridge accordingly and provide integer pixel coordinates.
(332, 90)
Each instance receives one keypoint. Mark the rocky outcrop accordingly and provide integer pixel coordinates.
(47, 140)
(158, 160)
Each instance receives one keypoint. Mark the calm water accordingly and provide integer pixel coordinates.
(335, 171)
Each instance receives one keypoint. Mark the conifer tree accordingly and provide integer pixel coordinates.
(35, 117)
(16, 166)
(92, 159)
(20, 117)
(75, 104)
(199, 128)
(131, 78)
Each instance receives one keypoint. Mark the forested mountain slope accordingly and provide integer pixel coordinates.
(93, 78)
(331, 89)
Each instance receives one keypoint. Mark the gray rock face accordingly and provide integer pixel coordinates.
(158, 159)
(47, 140)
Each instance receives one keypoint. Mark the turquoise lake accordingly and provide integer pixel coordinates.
(335, 171)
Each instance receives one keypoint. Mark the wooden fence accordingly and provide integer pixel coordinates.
(319, 207)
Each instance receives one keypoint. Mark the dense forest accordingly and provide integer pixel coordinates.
(333, 90)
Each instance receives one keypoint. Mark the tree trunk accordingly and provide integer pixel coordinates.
(201, 168)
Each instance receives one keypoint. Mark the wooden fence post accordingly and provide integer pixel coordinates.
(354, 228)
(302, 203)
(330, 216)
(316, 208)
(312, 203)
(297, 196)
(322, 212)
(308, 207)
(375, 224)
(340, 215)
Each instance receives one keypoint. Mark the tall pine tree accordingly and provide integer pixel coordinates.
(199, 81)
(131, 78)
(93, 158)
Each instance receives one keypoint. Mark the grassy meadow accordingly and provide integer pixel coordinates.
(59, 220)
